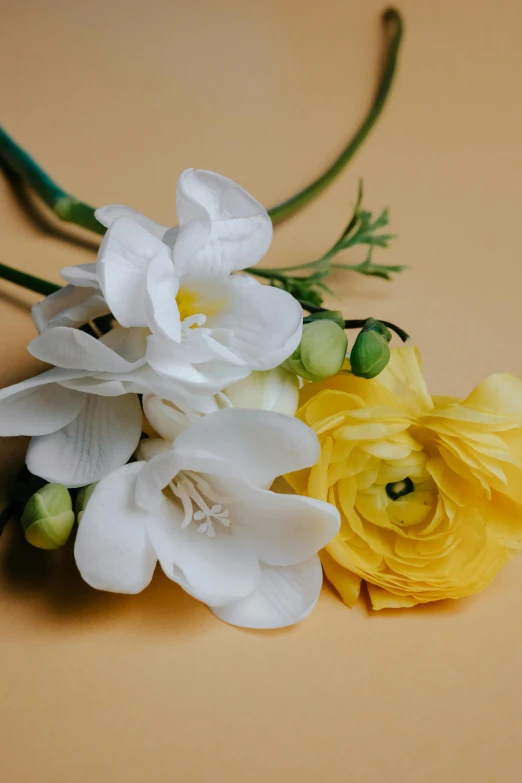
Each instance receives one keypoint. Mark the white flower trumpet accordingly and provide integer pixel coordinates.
(202, 508)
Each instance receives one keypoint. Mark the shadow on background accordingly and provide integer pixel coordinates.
(48, 585)
(38, 217)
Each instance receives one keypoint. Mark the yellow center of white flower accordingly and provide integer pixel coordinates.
(191, 304)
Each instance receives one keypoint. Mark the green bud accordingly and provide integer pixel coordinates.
(370, 353)
(330, 315)
(82, 498)
(321, 352)
(48, 517)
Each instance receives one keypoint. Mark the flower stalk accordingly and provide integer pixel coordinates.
(70, 209)
(32, 283)
(66, 207)
(393, 29)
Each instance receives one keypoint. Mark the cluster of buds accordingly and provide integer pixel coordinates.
(48, 516)
(324, 348)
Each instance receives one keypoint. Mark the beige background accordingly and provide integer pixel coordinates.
(115, 98)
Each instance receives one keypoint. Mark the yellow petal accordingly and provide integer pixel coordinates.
(500, 393)
(318, 479)
(382, 599)
(347, 584)
(403, 378)
(503, 519)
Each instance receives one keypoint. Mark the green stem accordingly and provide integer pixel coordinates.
(356, 323)
(36, 284)
(280, 271)
(31, 282)
(393, 28)
(72, 210)
(65, 206)
(268, 274)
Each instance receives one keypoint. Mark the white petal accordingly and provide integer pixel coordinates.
(214, 570)
(74, 349)
(197, 348)
(265, 323)
(151, 447)
(160, 305)
(70, 306)
(262, 444)
(284, 596)
(155, 476)
(268, 390)
(81, 275)
(102, 438)
(168, 419)
(90, 385)
(107, 215)
(145, 380)
(130, 344)
(222, 228)
(281, 530)
(125, 254)
(112, 548)
(207, 378)
(39, 405)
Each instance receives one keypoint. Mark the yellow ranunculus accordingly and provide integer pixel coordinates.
(429, 489)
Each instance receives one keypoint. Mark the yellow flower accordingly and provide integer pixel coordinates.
(429, 489)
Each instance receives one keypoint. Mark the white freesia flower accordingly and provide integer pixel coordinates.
(205, 328)
(202, 508)
(270, 390)
(84, 415)
(185, 329)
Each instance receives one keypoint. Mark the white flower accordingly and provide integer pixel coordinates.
(205, 328)
(84, 416)
(202, 509)
(270, 390)
(187, 329)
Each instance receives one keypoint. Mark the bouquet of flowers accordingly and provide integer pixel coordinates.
(196, 417)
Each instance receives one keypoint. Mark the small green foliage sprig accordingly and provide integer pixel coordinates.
(362, 230)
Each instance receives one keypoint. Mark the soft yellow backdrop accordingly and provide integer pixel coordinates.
(115, 98)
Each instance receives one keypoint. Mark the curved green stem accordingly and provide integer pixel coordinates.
(71, 209)
(393, 29)
(356, 323)
(65, 206)
(36, 284)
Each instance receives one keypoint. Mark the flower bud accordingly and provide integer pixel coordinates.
(82, 498)
(370, 353)
(321, 352)
(48, 517)
(268, 390)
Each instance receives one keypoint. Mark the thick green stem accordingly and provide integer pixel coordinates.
(31, 282)
(65, 206)
(71, 209)
(393, 28)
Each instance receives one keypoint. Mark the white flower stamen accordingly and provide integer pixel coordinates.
(193, 320)
(194, 492)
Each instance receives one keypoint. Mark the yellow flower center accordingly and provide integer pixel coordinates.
(187, 302)
(429, 489)
(191, 303)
